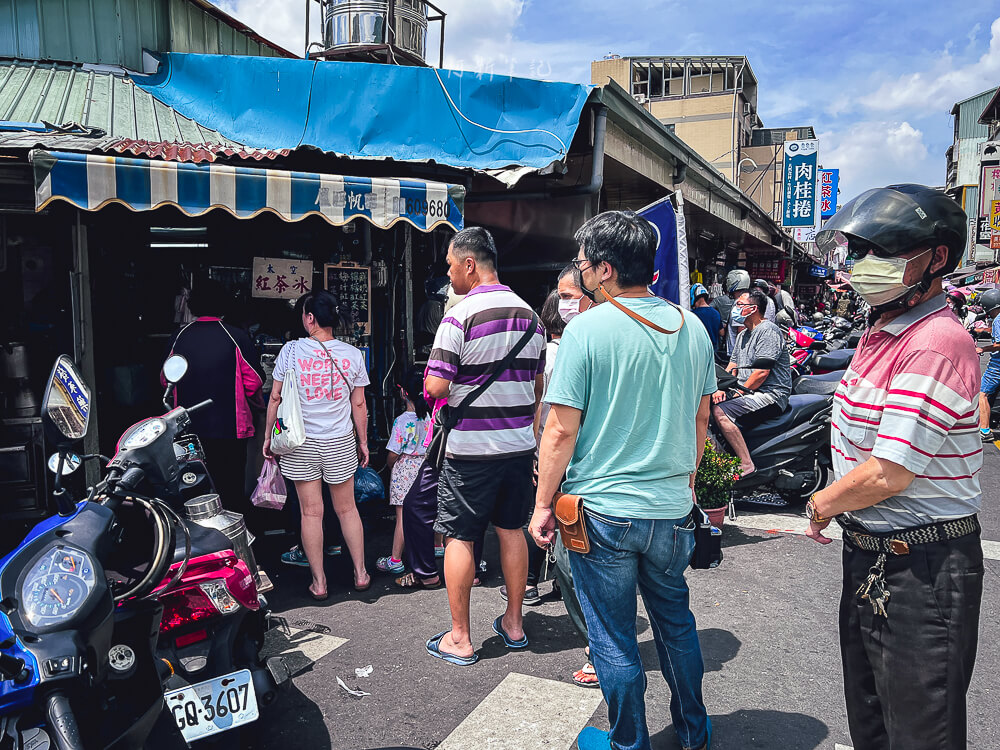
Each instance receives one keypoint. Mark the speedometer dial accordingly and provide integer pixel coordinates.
(57, 586)
(55, 594)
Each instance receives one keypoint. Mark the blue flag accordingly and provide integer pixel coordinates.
(666, 272)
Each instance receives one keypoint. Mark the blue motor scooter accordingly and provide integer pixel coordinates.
(77, 640)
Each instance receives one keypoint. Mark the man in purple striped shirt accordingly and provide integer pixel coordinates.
(487, 473)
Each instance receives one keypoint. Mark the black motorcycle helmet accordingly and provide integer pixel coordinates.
(989, 300)
(894, 220)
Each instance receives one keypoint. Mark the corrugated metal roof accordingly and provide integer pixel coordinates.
(115, 32)
(190, 152)
(121, 116)
(60, 94)
(968, 112)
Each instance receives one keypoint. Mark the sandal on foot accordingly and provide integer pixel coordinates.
(318, 597)
(362, 587)
(586, 677)
(434, 649)
(508, 641)
(410, 581)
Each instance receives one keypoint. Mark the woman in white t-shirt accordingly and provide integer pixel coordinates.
(330, 377)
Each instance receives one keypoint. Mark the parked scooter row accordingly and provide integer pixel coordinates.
(123, 624)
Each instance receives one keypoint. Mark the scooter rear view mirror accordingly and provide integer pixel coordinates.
(70, 463)
(175, 368)
(66, 405)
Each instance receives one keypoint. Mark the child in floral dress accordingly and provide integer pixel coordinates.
(405, 454)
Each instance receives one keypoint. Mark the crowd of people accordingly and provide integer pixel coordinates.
(515, 408)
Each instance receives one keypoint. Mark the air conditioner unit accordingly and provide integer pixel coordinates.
(640, 98)
(747, 108)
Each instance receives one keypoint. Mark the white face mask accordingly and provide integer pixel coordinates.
(880, 280)
(569, 309)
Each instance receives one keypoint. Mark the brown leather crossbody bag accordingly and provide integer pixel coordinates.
(569, 508)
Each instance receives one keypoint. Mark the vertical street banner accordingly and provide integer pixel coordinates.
(829, 186)
(667, 266)
(799, 201)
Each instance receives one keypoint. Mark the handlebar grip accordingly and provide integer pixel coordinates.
(202, 405)
(131, 478)
(62, 723)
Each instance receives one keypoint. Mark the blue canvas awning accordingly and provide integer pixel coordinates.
(373, 111)
(91, 181)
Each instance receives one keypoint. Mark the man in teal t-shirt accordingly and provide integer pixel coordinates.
(630, 399)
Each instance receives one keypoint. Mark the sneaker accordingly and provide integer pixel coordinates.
(388, 565)
(333, 550)
(295, 556)
(482, 567)
(439, 551)
(531, 597)
(986, 435)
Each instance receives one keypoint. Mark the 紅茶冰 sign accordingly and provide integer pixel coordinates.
(799, 198)
(829, 186)
(278, 278)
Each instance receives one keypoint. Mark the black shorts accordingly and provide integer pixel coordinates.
(473, 494)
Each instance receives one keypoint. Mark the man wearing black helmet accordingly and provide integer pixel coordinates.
(906, 460)
(990, 302)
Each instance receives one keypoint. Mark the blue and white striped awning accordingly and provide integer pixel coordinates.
(91, 181)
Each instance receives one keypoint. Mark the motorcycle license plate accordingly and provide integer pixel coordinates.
(214, 706)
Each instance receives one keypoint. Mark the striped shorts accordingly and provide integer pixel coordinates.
(334, 460)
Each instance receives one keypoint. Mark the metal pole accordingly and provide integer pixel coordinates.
(441, 60)
(408, 292)
(306, 54)
(83, 335)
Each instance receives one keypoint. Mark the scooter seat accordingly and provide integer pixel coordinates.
(824, 385)
(835, 360)
(800, 409)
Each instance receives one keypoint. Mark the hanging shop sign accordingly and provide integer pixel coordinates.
(278, 278)
(353, 286)
(805, 234)
(829, 186)
(819, 272)
(799, 199)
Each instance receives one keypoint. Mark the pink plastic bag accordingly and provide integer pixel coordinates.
(270, 491)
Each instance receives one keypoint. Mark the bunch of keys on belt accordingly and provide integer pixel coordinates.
(550, 558)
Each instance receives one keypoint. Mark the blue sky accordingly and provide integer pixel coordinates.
(877, 79)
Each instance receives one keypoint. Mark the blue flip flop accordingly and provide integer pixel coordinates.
(508, 641)
(592, 738)
(434, 649)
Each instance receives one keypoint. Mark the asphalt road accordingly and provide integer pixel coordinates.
(766, 617)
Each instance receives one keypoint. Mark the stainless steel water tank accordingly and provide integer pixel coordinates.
(207, 511)
(358, 23)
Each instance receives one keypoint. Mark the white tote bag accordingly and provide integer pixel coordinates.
(289, 432)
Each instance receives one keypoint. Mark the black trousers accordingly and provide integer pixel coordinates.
(906, 675)
(227, 463)
(420, 507)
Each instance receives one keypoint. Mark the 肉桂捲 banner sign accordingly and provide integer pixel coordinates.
(278, 278)
(799, 200)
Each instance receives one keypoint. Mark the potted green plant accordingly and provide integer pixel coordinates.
(713, 485)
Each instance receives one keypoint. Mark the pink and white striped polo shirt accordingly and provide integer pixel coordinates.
(911, 397)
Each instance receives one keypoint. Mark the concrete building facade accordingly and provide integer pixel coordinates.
(710, 102)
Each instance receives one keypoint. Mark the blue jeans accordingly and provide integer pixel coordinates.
(653, 554)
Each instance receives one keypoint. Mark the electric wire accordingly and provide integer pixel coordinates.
(495, 130)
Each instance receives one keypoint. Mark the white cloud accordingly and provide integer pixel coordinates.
(875, 154)
(279, 21)
(941, 85)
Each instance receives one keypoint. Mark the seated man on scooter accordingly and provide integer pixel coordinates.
(761, 365)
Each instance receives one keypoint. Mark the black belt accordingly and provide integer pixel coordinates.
(874, 589)
(898, 542)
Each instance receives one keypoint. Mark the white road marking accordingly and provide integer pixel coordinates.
(508, 718)
(300, 648)
(838, 746)
(789, 524)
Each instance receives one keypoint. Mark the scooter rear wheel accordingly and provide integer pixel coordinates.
(822, 474)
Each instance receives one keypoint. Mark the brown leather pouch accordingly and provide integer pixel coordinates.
(572, 526)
